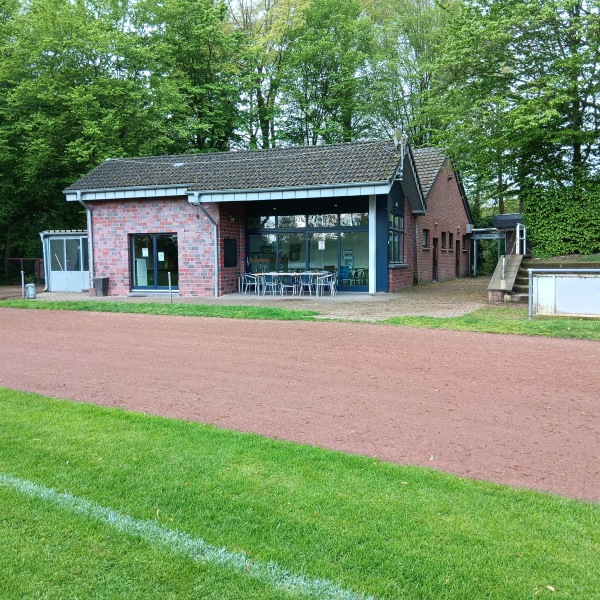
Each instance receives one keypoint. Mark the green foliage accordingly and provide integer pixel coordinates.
(87, 81)
(563, 221)
(325, 76)
(517, 91)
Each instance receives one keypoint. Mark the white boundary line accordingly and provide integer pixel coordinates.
(182, 543)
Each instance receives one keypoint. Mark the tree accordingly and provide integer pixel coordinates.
(266, 26)
(87, 80)
(517, 94)
(194, 69)
(407, 34)
(325, 77)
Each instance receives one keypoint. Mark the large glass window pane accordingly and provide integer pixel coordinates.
(292, 252)
(85, 261)
(262, 252)
(354, 219)
(289, 221)
(322, 220)
(323, 251)
(354, 267)
(57, 255)
(264, 222)
(73, 254)
(167, 259)
(143, 260)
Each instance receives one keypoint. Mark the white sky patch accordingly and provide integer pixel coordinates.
(184, 544)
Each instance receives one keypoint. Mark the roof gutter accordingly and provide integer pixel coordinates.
(43, 237)
(90, 240)
(196, 201)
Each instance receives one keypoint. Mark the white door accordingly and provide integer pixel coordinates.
(68, 259)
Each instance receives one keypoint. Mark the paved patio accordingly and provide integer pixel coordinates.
(445, 299)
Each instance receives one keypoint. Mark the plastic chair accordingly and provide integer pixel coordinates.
(288, 282)
(248, 282)
(345, 275)
(271, 282)
(326, 283)
(306, 283)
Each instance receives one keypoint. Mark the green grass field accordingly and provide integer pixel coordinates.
(102, 503)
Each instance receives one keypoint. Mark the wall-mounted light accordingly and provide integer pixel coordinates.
(458, 230)
(435, 224)
(232, 219)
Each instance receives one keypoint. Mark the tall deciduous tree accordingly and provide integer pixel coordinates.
(408, 33)
(517, 93)
(266, 26)
(325, 78)
(195, 54)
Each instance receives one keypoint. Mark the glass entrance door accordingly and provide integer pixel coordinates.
(153, 257)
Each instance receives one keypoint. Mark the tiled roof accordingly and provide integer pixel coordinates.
(428, 162)
(355, 162)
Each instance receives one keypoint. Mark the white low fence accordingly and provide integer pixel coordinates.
(564, 292)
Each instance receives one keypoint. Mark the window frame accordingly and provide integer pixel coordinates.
(396, 253)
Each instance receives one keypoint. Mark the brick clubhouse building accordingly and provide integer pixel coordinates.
(377, 213)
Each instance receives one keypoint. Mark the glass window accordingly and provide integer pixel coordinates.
(289, 221)
(322, 220)
(57, 255)
(73, 254)
(450, 241)
(292, 252)
(323, 250)
(261, 222)
(262, 252)
(154, 256)
(425, 238)
(443, 244)
(84, 253)
(143, 260)
(167, 259)
(465, 244)
(354, 265)
(354, 219)
(396, 238)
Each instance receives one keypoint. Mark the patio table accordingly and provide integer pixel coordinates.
(298, 275)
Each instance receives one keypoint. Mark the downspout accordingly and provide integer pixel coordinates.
(44, 259)
(216, 239)
(90, 240)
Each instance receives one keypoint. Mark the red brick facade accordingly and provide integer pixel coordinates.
(446, 222)
(113, 222)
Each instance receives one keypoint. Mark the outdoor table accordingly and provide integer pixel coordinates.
(312, 274)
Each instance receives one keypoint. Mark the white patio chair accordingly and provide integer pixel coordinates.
(271, 283)
(249, 282)
(326, 283)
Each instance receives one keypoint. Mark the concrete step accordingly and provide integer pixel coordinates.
(522, 298)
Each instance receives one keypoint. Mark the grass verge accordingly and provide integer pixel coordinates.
(508, 320)
(158, 308)
(368, 526)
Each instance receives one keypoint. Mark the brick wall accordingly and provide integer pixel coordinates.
(445, 214)
(402, 276)
(113, 222)
(232, 218)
